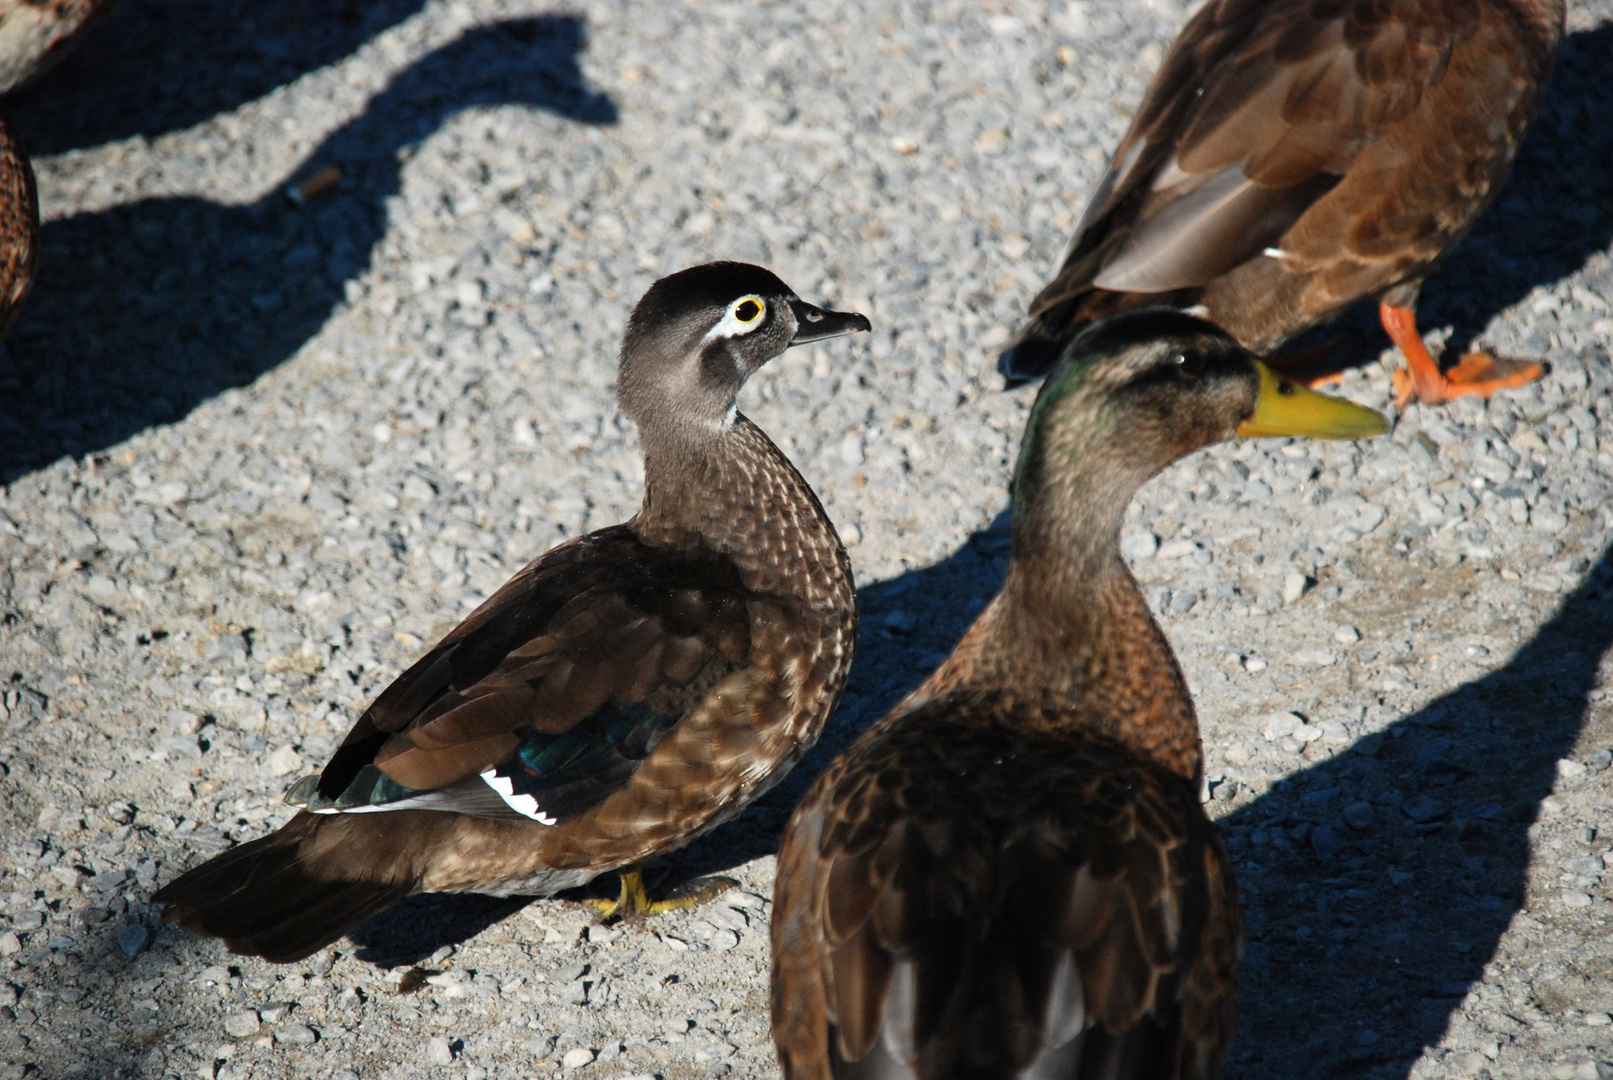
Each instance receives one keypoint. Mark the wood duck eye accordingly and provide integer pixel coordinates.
(748, 311)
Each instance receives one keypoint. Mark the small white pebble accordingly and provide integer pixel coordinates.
(1346, 635)
(577, 1057)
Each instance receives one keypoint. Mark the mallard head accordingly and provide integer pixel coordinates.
(1139, 390)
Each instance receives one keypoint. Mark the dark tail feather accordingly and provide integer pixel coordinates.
(266, 898)
(1038, 346)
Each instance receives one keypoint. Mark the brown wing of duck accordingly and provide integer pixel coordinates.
(926, 928)
(1257, 112)
(603, 621)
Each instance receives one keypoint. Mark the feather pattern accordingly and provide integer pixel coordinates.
(620, 696)
(1070, 910)
(1359, 137)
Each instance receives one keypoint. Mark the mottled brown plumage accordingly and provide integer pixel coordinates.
(19, 226)
(1011, 875)
(1291, 158)
(623, 694)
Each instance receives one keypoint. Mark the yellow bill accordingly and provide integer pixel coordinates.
(1287, 408)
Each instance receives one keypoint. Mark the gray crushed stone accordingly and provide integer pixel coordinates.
(257, 455)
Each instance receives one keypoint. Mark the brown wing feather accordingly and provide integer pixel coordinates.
(1360, 137)
(1285, 94)
(603, 619)
(987, 903)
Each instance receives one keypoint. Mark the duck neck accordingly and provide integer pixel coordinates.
(1071, 635)
(730, 490)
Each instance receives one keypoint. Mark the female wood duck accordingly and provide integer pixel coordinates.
(33, 37)
(1291, 158)
(1011, 874)
(621, 695)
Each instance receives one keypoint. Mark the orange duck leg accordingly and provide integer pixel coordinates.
(1476, 373)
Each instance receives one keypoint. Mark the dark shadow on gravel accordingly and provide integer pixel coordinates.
(410, 931)
(1361, 943)
(145, 310)
(157, 66)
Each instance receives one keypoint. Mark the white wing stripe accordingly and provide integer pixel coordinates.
(525, 805)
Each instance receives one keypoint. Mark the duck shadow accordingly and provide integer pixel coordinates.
(411, 930)
(142, 311)
(1362, 943)
(154, 67)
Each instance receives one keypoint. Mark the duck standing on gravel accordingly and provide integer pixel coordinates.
(623, 694)
(1294, 156)
(1011, 874)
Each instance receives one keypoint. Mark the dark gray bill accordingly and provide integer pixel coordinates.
(815, 324)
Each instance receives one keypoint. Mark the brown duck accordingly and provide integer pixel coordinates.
(1011, 874)
(1294, 156)
(620, 696)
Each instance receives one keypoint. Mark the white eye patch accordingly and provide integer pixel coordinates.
(743, 316)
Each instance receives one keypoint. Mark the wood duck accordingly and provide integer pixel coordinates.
(623, 694)
(1011, 874)
(1291, 158)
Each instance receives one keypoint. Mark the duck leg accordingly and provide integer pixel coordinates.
(1476, 373)
(634, 901)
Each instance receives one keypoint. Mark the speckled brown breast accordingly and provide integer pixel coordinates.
(19, 225)
(746, 733)
(35, 34)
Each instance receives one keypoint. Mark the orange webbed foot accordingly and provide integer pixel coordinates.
(1477, 373)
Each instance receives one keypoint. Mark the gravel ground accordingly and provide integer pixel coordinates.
(258, 454)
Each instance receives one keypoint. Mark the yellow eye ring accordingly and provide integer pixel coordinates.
(748, 310)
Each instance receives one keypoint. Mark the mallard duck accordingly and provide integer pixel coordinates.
(1294, 156)
(1011, 874)
(19, 226)
(623, 694)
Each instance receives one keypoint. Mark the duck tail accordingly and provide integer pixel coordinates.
(1037, 347)
(1040, 343)
(285, 896)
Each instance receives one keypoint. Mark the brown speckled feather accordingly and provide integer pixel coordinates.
(1357, 138)
(19, 225)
